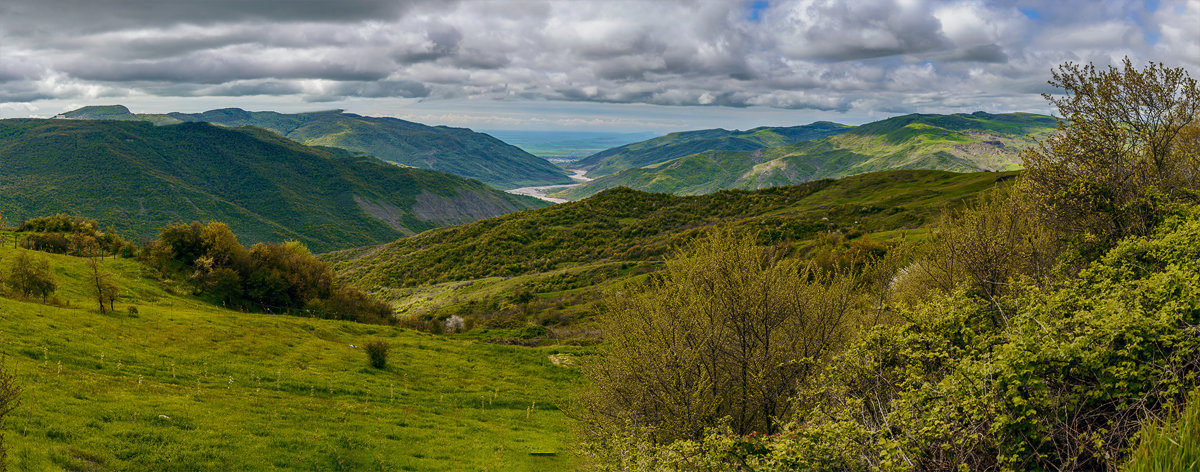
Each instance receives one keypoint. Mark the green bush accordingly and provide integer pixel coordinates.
(31, 276)
(377, 352)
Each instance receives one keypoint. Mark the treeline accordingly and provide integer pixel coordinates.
(271, 277)
(277, 278)
(1039, 329)
(65, 234)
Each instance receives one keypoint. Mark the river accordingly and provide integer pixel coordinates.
(540, 192)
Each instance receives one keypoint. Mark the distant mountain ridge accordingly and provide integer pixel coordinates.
(675, 145)
(139, 177)
(458, 151)
(959, 143)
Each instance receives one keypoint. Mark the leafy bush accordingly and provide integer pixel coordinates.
(269, 277)
(377, 352)
(60, 223)
(30, 276)
(1125, 142)
(728, 329)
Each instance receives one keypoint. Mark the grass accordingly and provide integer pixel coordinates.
(1170, 446)
(182, 385)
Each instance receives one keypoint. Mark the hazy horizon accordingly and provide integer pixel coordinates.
(624, 66)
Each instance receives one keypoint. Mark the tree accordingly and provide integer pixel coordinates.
(729, 329)
(100, 281)
(1126, 140)
(31, 276)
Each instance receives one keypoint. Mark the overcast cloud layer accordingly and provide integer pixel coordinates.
(569, 64)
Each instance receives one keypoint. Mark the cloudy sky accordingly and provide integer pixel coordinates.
(654, 65)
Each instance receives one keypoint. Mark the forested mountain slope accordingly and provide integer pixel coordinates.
(139, 177)
(960, 143)
(458, 151)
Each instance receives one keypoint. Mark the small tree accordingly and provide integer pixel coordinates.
(31, 276)
(377, 351)
(728, 329)
(1126, 140)
(100, 281)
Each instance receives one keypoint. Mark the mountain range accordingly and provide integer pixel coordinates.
(137, 177)
(700, 162)
(457, 151)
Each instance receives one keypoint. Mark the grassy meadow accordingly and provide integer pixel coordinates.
(183, 385)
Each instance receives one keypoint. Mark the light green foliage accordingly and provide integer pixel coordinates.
(727, 330)
(1063, 384)
(182, 385)
(1170, 445)
(1129, 139)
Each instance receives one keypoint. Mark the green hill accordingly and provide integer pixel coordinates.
(563, 257)
(458, 151)
(101, 112)
(675, 145)
(959, 143)
(183, 385)
(138, 177)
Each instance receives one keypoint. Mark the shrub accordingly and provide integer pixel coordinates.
(1127, 140)
(31, 276)
(728, 329)
(377, 352)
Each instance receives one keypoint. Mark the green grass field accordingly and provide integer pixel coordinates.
(181, 385)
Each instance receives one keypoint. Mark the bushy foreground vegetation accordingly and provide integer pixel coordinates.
(1040, 329)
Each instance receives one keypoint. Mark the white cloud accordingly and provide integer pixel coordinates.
(826, 57)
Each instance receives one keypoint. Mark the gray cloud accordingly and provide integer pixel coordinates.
(818, 55)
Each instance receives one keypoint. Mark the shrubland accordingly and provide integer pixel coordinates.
(1040, 328)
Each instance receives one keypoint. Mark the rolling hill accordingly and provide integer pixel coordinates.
(960, 143)
(138, 177)
(457, 151)
(674, 145)
(552, 264)
(170, 382)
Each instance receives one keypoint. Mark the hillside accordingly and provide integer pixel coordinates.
(138, 177)
(563, 257)
(567, 145)
(675, 145)
(960, 143)
(458, 151)
(167, 382)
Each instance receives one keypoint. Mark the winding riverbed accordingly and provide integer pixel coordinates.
(540, 192)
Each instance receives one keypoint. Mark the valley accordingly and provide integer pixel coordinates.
(931, 287)
(542, 192)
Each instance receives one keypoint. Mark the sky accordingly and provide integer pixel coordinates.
(609, 65)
